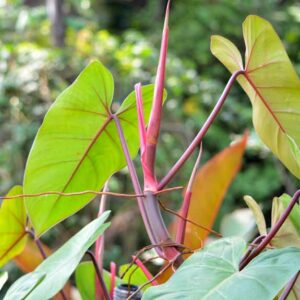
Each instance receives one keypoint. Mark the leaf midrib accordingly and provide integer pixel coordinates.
(101, 130)
(264, 101)
(16, 242)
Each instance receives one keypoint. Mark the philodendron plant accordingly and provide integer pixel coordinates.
(82, 143)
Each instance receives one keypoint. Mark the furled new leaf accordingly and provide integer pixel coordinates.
(77, 148)
(272, 85)
(209, 188)
(13, 234)
(258, 214)
(213, 274)
(50, 277)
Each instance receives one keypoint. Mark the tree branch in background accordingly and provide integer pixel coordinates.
(56, 17)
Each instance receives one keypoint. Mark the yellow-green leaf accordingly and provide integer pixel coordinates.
(231, 57)
(13, 236)
(134, 275)
(259, 216)
(272, 85)
(77, 147)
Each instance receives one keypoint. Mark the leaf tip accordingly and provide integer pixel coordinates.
(167, 13)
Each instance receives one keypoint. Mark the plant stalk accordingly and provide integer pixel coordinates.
(264, 243)
(99, 246)
(148, 206)
(99, 275)
(41, 249)
(187, 201)
(156, 110)
(113, 271)
(197, 140)
(289, 287)
(252, 246)
(145, 270)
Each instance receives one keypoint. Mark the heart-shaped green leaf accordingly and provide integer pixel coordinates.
(77, 147)
(52, 274)
(213, 274)
(3, 278)
(12, 226)
(272, 86)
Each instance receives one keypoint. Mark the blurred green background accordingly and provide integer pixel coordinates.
(45, 44)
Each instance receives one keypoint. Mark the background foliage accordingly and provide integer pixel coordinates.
(125, 36)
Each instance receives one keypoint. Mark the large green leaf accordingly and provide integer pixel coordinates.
(77, 147)
(85, 280)
(272, 86)
(213, 274)
(13, 236)
(52, 274)
(3, 278)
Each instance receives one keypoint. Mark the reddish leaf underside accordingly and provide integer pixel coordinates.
(209, 188)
